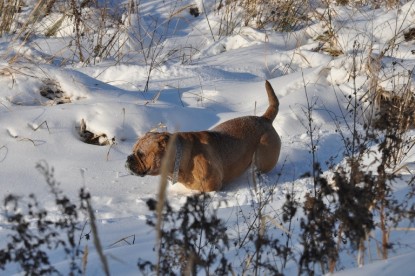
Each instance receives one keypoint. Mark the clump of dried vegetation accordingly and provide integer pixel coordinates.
(34, 234)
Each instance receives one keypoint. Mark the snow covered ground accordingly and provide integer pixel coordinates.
(217, 79)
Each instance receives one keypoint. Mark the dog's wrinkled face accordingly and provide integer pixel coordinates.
(147, 154)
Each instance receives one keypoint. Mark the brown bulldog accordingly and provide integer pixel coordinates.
(206, 160)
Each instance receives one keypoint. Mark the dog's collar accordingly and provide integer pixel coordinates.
(177, 160)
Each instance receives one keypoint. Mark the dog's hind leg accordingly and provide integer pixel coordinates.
(268, 151)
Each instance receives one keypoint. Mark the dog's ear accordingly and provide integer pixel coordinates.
(163, 139)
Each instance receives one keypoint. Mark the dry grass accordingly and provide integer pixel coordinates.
(167, 163)
(278, 15)
(8, 10)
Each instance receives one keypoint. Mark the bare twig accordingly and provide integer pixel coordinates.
(85, 259)
(208, 21)
(96, 239)
(403, 229)
(180, 95)
(125, 239)
(5, 155)
(123, 117)
(43, 123)
(167, 163)
(5, 106)
(154, 99)
(108, 153)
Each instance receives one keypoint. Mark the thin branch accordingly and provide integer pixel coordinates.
(43, 123)
(124, 240)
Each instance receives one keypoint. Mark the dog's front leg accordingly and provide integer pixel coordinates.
(207, 176)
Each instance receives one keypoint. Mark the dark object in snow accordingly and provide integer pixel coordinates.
(92, 138)
(53, 91)
(194, 11)
(409, 35)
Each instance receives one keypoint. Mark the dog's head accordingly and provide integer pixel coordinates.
(147, 154)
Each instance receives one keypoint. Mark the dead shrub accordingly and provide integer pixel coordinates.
(397, 111)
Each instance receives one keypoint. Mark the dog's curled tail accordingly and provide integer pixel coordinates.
(274, 104)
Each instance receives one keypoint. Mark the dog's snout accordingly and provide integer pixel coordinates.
(130, 159)
(129, 163)
(131, 166)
